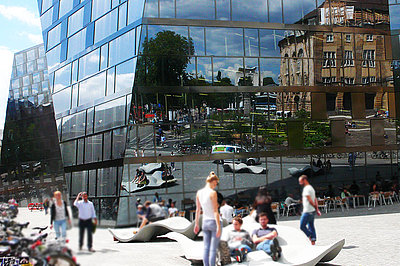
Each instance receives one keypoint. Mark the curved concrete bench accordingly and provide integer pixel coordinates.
(296, 248)
(243, 168)
(175, 224)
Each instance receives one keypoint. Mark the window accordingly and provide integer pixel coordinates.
(54, 37)
(348, 38)
(121, 48)
(368, 80)
(76, 43)
(348, 58)
(348, 81)
(75, 22)
(370, 37)
(106, 26)
(65, 7)
(329, 59)
(89, 64)
(369, 58)
(328, 80)
(99, 8)
(329, 38)
(62, 78)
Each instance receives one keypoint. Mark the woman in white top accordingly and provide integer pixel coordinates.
(206, 200)
(59, 216)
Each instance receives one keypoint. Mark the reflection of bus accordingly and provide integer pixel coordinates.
(226, 149)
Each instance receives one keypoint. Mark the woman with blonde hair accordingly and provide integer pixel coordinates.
(59, 216)
(206, 200)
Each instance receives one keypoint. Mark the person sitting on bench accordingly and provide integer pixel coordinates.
(239, 240)
(154, 213)
(265, 238)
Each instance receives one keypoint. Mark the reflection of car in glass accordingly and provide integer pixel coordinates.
(152, 175)
(226, 149)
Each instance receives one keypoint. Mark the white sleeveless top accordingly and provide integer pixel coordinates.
(206, 203)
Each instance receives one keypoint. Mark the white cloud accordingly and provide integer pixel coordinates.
(20, 13)
(34, 38)
(6, 56)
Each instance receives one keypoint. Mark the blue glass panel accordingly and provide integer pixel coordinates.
(62, 100)
(92, 88)
(223, 9)
(46, 4)
(110, 114)
(54, 36)
(73, 126)
(270, 70)
(104, 57)
(269, 42)
(204, 70)
(275, 11)
(224, 41)
(255, 10)
(110, 81)
(122, 15)
(125, 74)
(99, 8)
(74, 102)
(75, 21)
(53, 57)
(89, 64)
(251, 42)
(62, 78)
(47, 19)
(195, 9)
(295, 10)
(167, 8)
(151, 9)
(227, 71)
(394, 17)
(76, 43)
(135, 10)
(197, 37)
(121, 48)
(89, 35)
(65, 7)
(106, 26)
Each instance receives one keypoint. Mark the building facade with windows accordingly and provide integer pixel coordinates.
(143, 92)
(31, 165)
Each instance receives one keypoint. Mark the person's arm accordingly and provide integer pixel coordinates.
(247, 240)
(214, 200)
(198, 210)
(314, 204)
(52, 214)
(270, 236)
(145, 219)
(77, 199)
(67, 213)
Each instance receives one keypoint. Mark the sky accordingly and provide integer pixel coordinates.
(19, 29)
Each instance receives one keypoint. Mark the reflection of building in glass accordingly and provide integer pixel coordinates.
(30, 156)
(338, 58)
(143, 83)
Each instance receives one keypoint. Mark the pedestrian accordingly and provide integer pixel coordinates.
(157, 198)
(207, 200)
(46, 204)
(87, 219)
(262, 204)
(310, 207)
(227, 211)
(172, 163)
(59, 216)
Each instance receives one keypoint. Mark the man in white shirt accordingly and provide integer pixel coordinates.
(87, 219)
(310, 207)
(226, 211)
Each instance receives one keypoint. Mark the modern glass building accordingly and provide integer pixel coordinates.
(140, 85)
(31, 165)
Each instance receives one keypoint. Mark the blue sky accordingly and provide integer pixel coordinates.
(19, 29)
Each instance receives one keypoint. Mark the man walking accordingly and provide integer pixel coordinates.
(310, 207)
(87, 213)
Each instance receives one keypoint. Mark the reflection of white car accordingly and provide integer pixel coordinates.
(227, 149)
(152, 175)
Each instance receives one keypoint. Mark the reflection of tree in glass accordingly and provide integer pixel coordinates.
(164, 59)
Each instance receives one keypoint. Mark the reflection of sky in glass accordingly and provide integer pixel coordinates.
(228, 67)
(109, 115)
(62, 100)
(394, 17)
(270, 68)
(255, 10)
(223, 9)
(62, 78)
(204, 69)
(275, 11)
(197, 36)
(269, 42)
(92, 88)
(125, 75)
(89, 64)
(121, 48)
(195, 9)
(167, 8)
(151, 9)
(251, 42)
(295, 10)
(106, 26)
(135, 10)
(100, 7)
(224, 41)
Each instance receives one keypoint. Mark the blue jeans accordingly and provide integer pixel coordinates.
(242, 248)
(265, 246)
(307, 225)
(211, 242)
(61, 228)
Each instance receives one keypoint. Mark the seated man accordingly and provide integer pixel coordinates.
(173, 211)
(290, 201)
(154, 213)
(239, 241)
(265, 238)
(140, 212)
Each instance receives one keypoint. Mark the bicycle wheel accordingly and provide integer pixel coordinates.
(59, 259)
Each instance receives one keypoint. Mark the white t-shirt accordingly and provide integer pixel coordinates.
(172, 210)
(227, 212)
(308, 191)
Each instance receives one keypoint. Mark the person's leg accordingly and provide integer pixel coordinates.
(81, 233)
(303, 224)
(57, 228)
(207, 243)
(245, 248)
(64, 229)
(311, 228)
(265, 246)
(214, 246)
(90, 233)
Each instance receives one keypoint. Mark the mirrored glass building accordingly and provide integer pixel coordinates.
(31, 165)
(150, 96)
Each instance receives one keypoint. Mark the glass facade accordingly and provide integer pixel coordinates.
(31, 164)
(140, 85)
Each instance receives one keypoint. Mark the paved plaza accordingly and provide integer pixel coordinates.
(372, 238)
